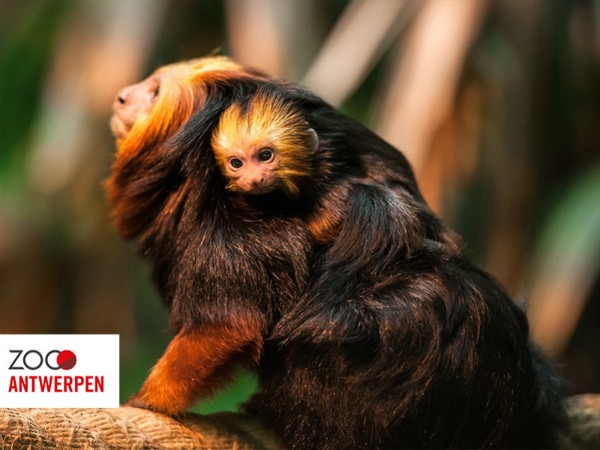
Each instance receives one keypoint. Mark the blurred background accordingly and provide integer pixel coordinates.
(496, 103)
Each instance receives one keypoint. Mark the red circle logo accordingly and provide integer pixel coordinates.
(66, 360)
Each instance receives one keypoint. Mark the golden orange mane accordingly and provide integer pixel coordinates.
(181, 93)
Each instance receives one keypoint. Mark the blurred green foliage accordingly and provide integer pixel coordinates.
(27, 41)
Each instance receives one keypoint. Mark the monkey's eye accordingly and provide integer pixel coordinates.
(236, 163)
(154, 87)
(266, 154)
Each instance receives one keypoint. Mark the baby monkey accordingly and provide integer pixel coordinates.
(264, 146)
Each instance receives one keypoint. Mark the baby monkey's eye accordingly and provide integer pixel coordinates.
(236, 163)
(266, 154)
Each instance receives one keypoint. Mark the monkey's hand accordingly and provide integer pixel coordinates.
(195, 365)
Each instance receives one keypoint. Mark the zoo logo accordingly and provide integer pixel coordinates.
(33, 360)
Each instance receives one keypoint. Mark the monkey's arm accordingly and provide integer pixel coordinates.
(196, 363)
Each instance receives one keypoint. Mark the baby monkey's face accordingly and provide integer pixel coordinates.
(252, 170)
(264, 145)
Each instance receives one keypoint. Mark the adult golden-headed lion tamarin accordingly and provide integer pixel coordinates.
(367, 326)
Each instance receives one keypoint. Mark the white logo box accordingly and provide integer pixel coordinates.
(31, 375)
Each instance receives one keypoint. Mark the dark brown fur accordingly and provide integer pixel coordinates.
(366, 324)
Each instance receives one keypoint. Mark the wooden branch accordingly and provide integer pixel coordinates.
(133, 428)
(129, 428)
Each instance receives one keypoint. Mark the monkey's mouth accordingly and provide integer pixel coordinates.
(259, 190)
(120, 128)
(125, 116)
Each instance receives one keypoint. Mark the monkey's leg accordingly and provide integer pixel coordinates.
(196, 364)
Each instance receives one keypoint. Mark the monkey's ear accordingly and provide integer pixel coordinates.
(313, 140)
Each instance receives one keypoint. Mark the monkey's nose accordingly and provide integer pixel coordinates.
(122, 96)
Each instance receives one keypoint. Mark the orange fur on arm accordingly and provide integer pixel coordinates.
(196, 364)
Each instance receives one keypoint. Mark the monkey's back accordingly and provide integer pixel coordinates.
(399, 342)
(432, 356)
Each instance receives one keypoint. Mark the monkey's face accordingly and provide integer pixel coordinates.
(252, 171)
(134, 103)
(155, 107)
(146, 115)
